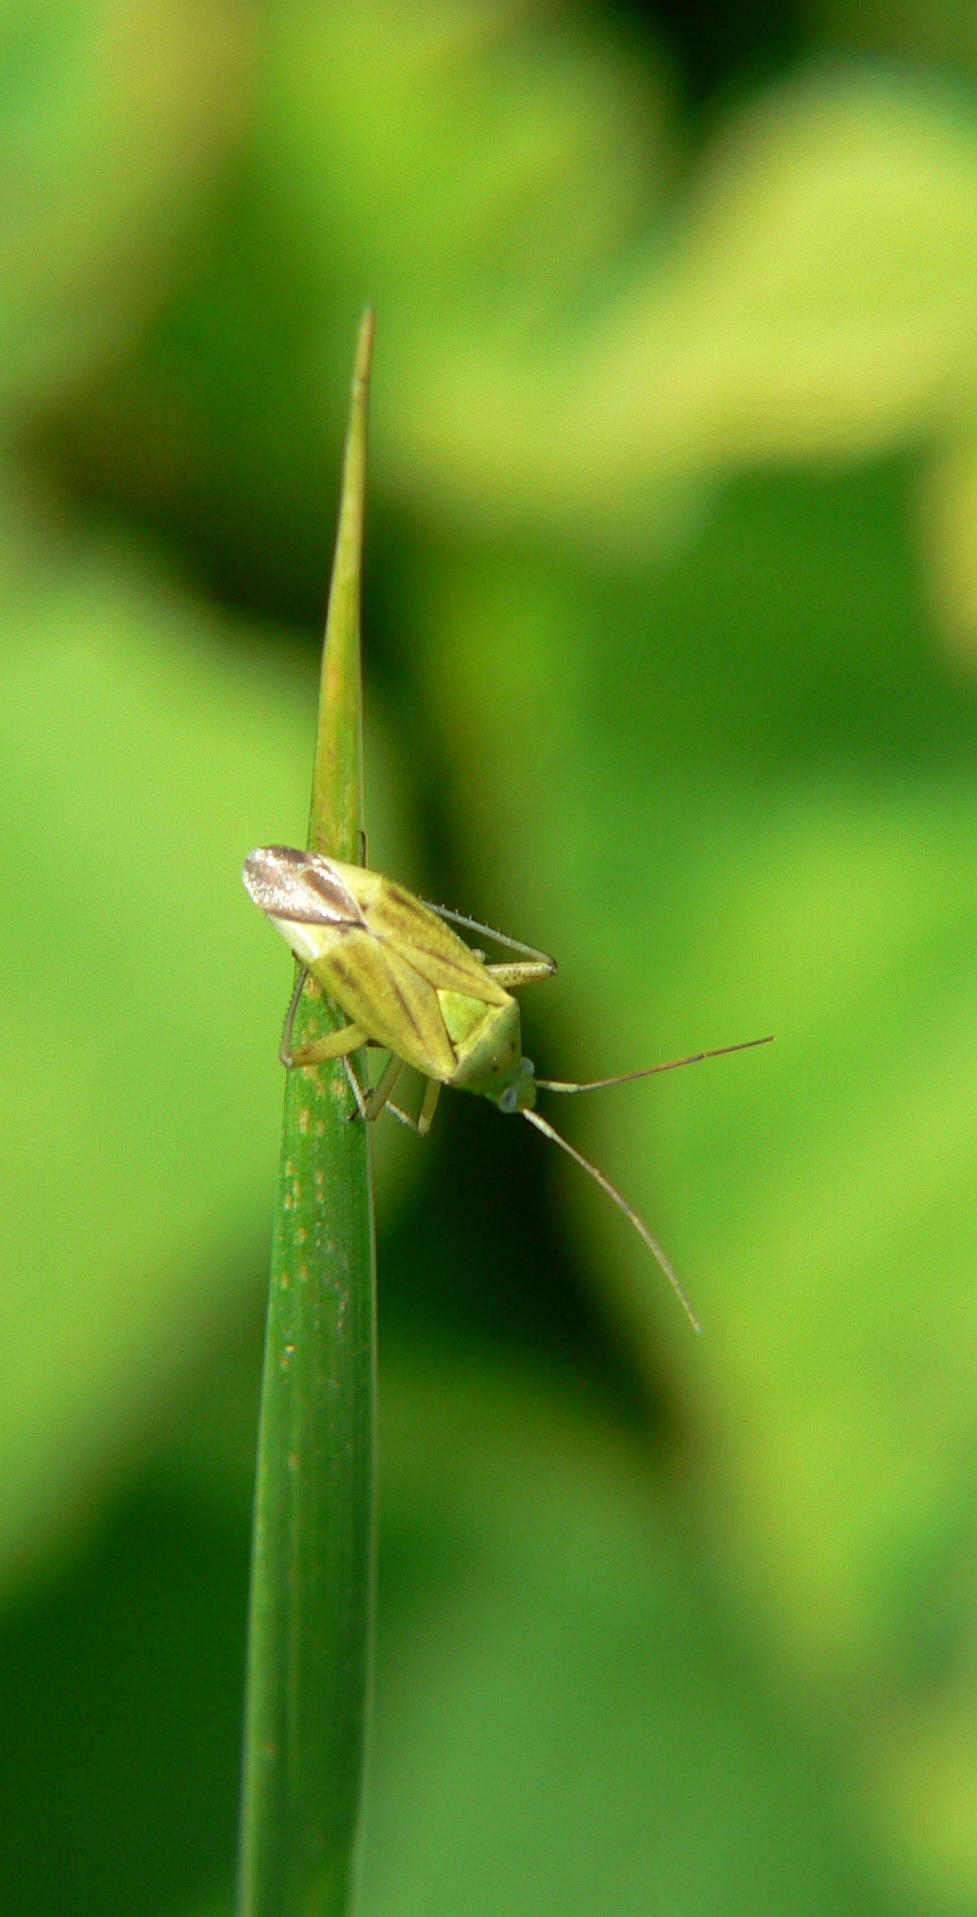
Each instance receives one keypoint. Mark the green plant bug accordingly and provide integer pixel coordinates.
(408, 984)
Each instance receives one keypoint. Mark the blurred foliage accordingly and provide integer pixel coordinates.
(672, 624)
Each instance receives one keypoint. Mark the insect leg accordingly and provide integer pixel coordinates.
(432, 1092)
(285, 1048)
(354, 1086)
(377, 1098)
(405, 1118)
(348, 1038)
(380, 1100)
(525, 973)
(546, 964)
(336, 1044)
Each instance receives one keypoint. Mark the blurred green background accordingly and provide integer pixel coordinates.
(671, 649)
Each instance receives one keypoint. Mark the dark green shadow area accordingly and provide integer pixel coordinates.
(120, 1698)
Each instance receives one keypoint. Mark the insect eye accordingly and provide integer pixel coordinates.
(509, 1100)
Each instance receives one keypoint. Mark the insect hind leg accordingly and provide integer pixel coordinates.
(540, 964)
(524, 972)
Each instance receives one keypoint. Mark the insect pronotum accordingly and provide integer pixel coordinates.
(407, 983)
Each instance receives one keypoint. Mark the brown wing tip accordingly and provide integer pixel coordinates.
(287, 883)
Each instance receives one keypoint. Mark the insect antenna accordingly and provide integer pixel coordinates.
(543, 1125)
(648, 1071)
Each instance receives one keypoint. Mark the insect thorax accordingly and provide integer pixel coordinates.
(487, 1041)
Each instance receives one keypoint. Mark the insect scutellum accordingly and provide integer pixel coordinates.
(406, 982)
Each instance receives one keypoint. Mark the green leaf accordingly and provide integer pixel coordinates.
(311, 1615)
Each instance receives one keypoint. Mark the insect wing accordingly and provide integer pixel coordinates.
(302, 887)
(380, 990)
(389, 975)
(406, 925)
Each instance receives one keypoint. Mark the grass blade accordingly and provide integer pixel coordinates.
(312, 1565)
